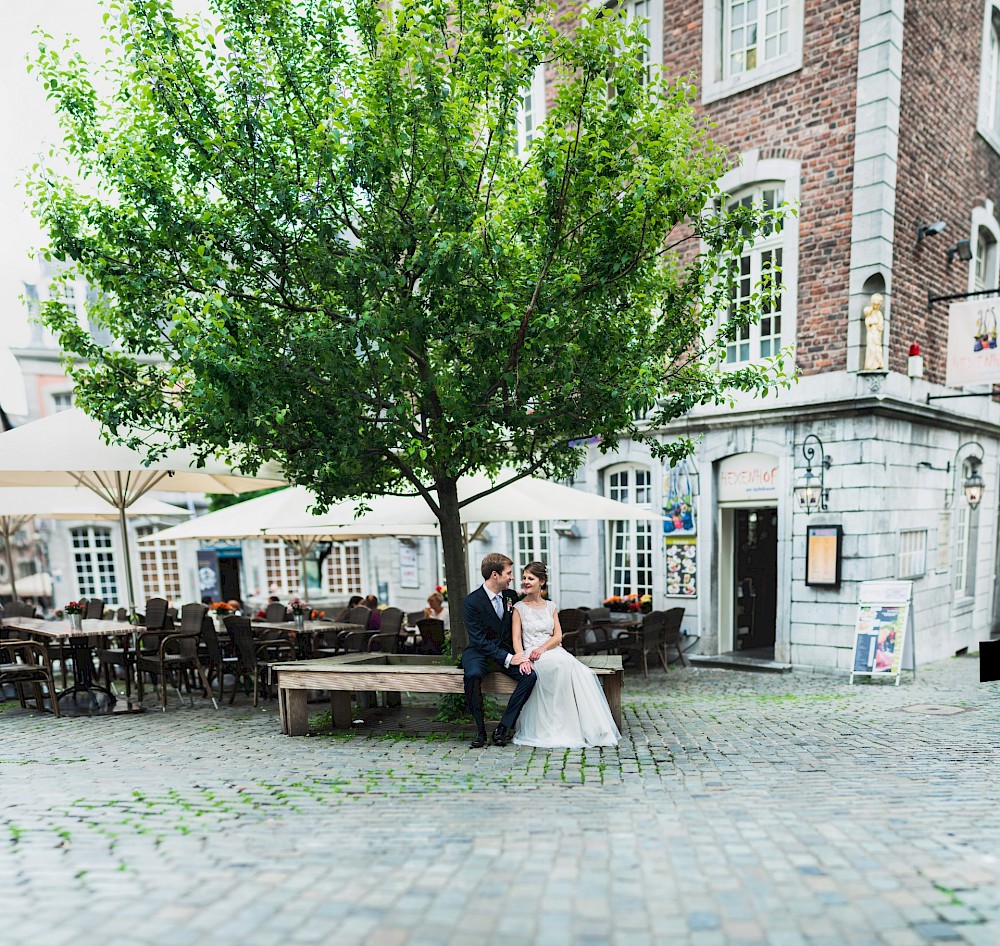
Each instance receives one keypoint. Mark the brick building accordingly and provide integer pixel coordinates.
(880, 119)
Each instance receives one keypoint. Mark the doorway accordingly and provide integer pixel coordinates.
(755, 570)
(229, 578)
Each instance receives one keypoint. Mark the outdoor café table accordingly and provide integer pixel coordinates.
(303, 638)
(80, 655)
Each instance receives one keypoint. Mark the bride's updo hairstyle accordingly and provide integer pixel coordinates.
(539, 571)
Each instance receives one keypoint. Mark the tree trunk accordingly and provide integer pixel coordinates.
(455, 559)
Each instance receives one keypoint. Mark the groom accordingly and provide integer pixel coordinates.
(487, 612)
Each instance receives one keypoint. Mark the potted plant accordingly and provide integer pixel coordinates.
(298, 609)
(74, 614)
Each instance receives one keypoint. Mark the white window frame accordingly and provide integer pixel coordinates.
(344, 571)
(529, 122)
(718, 81)
(282, 568)
(912, 553)
(54, 396)
(630, 540)
(755, 174)
(102, 580)
(984, 227)
(963, 568)
(533, 542)
(159, 566)
(652, 12)
(988, 114)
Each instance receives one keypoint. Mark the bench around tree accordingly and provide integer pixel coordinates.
(399, 673)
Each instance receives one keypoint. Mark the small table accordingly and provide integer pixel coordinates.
(303, 637)
(80, 655)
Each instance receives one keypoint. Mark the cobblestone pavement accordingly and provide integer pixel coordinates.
(739, 809)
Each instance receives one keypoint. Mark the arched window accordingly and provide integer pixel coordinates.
(630, 543)
(95, 564)
(767, 255)
(984, 261)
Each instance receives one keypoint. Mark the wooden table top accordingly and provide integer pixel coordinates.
(310, 627)
(58, 630)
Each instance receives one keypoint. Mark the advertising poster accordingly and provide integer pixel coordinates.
(682, 566)
(883, 632)
(679, 529)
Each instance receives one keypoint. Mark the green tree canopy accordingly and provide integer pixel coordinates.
(316, 240)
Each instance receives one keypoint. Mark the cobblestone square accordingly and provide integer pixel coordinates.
(739, 810)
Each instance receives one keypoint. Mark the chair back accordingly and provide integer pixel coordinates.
(359, 615)
(571, 619)
(384, 643)
(156, 614)
(431, 635)
(95, 609)
(18, 609)
(242, 636)
(276, 613)
(414, 617)
(392, 621)
(121, 614)
(599, 615)
(192, 618)
(211, 639)
(672, 621)
(652, 629)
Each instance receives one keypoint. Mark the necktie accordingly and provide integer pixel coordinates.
(498, 606)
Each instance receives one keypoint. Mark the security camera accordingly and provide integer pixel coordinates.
(931, 229)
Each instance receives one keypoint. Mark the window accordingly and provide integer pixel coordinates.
(630, 543)
(748, 42)
(763, 340)
(531, 112)
(95, 564)
(160, 569)
(984, 261)
(66, 294)
(912, 553)
(62, 401)
(532, 545)
(281, 564)
(343, 569)
(989, 79)
(648, 15)
(963, 573)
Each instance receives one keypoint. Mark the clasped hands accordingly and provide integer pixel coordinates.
(524, 661)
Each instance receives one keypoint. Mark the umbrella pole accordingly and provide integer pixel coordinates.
(125, 549)
(7, 533)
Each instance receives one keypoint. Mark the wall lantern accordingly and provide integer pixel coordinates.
(962, 249)
(972, 485)
(930, 229)
(810, 489)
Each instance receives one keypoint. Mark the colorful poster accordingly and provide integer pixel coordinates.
(682, 566)
(678, 501)
(973, 356)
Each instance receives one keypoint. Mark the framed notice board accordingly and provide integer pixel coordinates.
(883, 632)
(823, 555)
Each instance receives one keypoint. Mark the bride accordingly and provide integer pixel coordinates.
(567, 709)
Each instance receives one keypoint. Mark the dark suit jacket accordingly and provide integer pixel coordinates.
(488, 634)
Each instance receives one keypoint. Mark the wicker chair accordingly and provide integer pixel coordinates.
(431, 636)
(276, 613)
(644, 640)
(387, 638)
(95, 609)
(26, 663)
(358, 615)
(177, 654)
(672, 635)
(216, 660)
(249, 654)
(571, 620)
(18, 609)
(156, 624)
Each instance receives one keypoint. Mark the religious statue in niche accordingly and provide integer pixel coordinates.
(874, 325)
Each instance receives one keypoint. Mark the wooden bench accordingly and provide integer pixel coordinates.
(399, 673)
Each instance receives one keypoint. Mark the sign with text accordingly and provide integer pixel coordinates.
(748, 476)
(973, 356)
(823, 545)
(409, 577)
(883, 632)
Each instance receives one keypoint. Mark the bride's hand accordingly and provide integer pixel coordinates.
(536, 653)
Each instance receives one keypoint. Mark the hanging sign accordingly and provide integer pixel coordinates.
(973, 355)
(883, 632)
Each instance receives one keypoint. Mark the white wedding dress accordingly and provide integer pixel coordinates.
(567, 708)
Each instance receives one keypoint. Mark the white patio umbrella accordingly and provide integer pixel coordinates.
(20, 504)
(38, 585)
(68, 449)
(525, 498)
(265, 516)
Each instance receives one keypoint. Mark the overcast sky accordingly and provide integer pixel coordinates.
(27, 129)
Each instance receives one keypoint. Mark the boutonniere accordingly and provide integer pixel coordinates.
(510, 605)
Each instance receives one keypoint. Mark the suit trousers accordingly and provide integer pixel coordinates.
(476, 666)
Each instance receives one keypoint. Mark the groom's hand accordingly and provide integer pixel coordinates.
(519, 658)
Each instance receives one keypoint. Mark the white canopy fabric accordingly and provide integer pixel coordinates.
(38, 585)
(266, 515)
(68, 449)
(526, 498)
(20, 504)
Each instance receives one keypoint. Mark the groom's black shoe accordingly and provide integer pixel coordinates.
(480, 739)
(501, 735)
